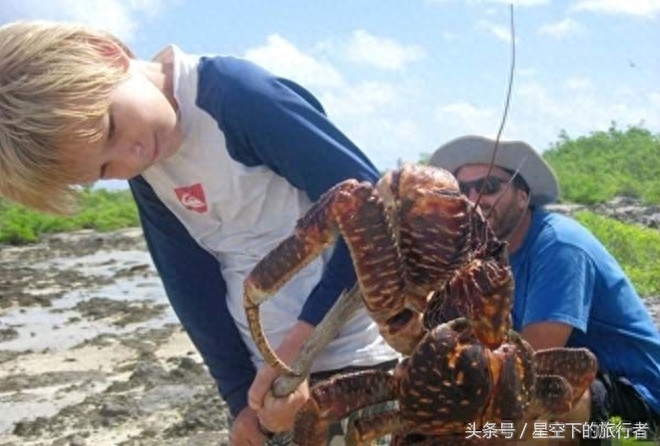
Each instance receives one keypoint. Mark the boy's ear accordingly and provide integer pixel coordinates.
(112, 52)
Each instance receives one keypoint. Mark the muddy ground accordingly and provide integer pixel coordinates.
(91, 354)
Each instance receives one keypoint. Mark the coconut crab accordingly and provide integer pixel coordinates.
(437, 282)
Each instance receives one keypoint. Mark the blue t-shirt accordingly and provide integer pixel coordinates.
(564, 274)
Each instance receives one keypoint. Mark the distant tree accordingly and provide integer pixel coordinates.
(424, 158)
(100, 209)
(606, 164)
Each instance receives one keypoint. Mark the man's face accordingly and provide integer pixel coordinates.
(139, 129)
(501, 202)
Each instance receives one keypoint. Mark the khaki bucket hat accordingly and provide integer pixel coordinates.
(511, 155)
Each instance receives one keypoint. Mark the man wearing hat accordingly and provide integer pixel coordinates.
(569, 290)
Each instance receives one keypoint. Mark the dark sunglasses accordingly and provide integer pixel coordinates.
(487, 186)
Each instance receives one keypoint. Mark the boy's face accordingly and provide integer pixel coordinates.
(139, 129)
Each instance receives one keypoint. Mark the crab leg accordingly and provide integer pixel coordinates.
(352, 210)
(347, 304)
(514, 385)
(481, 291)
(368, 429)
(338, 397)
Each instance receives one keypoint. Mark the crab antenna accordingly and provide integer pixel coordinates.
(508, 99)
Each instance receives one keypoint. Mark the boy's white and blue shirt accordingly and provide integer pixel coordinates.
(257, 151)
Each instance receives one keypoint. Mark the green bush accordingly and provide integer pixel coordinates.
(636, 248)
(100, 209)
(603, 165)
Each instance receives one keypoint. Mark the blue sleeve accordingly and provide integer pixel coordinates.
(561, 286)
(195, 287)
(277, 123)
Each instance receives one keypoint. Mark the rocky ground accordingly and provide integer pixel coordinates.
(91, 354)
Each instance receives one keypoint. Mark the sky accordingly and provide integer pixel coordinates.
(401, 77)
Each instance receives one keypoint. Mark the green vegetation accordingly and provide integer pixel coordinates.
(100, 209)
(603, 165)
(636, 248)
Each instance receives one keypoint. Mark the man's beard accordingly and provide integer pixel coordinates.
(504, 221)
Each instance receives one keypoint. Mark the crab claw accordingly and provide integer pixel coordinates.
(577, 365)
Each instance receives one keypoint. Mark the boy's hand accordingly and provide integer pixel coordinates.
(277, 414)
(245, 429)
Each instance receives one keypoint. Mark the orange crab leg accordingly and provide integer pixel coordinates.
(482, 291)
(345, 307)
(353, 210)
(336, 398)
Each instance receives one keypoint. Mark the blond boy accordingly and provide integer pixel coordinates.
(222, 158)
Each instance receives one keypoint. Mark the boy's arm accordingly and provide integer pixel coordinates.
(196, 290)
(275, 122)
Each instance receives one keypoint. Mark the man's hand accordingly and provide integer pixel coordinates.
(278, 414)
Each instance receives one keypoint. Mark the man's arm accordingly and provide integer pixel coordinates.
(542, 335)
(196, 290)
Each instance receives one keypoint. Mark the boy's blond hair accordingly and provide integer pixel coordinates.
(55, 83)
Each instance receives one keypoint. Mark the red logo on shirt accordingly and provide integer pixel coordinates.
(192, 197)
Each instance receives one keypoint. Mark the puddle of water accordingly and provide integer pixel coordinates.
(101, 263)
(59, 327)
(28, 405)
(42, 328)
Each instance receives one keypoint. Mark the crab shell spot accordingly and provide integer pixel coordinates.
(460, 377)
(554, 393)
